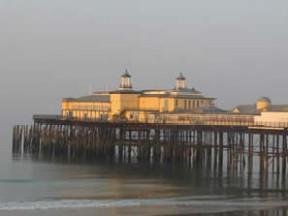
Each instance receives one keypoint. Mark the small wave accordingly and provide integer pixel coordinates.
(13, 181)
(44, 205)
(60, 204)
(64, 204)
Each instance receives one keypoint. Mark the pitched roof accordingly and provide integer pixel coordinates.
(251, 109)
(246, 109)
(212, 109)
(278, 108)
(178, 96)
(188, 90)
(125, 91)
(90, 98)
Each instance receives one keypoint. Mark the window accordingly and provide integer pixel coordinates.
(131, 116)
(186, 104)
(85, 116)
(166, 105)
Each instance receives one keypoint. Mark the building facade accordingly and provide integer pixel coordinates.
(127, 103)
(265, 113)
(180, 105)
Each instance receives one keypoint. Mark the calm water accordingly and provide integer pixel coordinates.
(45, 187)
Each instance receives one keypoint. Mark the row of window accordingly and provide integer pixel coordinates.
(87, 107)
(191, 104)
(83, 114)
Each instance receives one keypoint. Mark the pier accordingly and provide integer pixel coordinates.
(233, 149)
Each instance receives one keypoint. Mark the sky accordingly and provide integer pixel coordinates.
(233, 50)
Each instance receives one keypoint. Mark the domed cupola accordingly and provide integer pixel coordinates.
(263, 103)
(126, 83)
(181, 82)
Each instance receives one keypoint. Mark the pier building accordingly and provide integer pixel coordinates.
(145, 105)
(265, 113)
(179, 105)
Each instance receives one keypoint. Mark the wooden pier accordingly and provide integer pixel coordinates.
(235, 149)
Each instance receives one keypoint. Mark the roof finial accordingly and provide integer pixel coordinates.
(181, 76)
(126, 74)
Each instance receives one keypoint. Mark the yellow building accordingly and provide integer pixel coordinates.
(180, 105)
(265, 113)
(129, 104)
(262, 104)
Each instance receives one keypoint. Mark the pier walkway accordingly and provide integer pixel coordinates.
(233, 149)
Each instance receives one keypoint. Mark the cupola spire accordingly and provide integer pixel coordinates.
(180, 82)
(126, 83)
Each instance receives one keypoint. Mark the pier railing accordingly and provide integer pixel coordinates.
(206, 122)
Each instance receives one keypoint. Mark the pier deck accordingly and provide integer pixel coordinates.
(225, 148)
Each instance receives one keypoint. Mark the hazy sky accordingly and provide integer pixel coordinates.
(235, 50)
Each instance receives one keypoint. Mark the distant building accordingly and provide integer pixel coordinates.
(272, 119)
(262, 104)
(265, 113)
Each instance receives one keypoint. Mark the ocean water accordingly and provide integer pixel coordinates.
(47, 187)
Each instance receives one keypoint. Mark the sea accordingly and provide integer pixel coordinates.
(53, 187)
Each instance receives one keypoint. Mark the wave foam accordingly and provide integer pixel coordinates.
(64, 204)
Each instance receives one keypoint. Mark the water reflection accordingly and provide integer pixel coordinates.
(200, 188)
